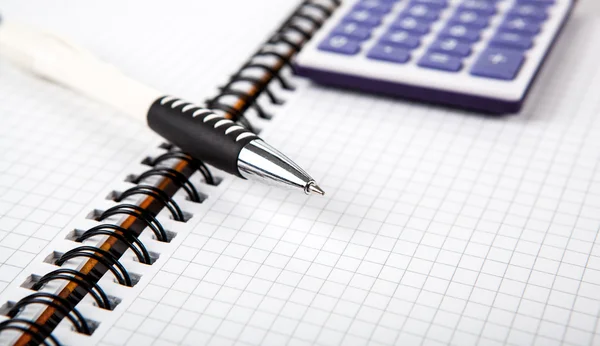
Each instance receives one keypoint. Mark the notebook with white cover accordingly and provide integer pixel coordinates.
(60, 152)
(439, 227)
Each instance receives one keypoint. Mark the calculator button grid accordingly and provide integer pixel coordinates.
(465, 23)
(503, 21)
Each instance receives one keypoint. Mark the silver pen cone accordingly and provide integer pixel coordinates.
(260, 161)
(314, 188)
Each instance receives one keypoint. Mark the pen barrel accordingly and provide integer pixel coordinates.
(200, 132)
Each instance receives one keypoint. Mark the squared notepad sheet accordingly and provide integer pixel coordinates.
(438, 227)
(58, 150)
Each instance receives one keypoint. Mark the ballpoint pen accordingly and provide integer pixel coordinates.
(198, 131)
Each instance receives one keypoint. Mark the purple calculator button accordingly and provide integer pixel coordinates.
(389, 53)
(451, 46)
(378, 6)
(423, 12)
(532, 12)
(537, 2)
(340, 44)
(512, 40)
(401, 39)
(441, 61)
(363, 17)
(471, 18)
(412, 25)
(520, 25)
(498, 64)
(353, 31)
(437, 3)
(461, 33)
(481, 6)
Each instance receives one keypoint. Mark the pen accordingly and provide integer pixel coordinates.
(196, 130)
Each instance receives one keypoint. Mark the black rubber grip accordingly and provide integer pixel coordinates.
(200, 132)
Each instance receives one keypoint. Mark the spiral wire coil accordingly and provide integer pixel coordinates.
(41, 334)
(295, 31)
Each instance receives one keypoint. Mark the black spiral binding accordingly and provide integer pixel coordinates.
(312, 13)
(57, 302)
(38, 333)
(180, 155)
(41, 334)
(82, 280)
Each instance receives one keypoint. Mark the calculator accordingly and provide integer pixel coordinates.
(476, 54)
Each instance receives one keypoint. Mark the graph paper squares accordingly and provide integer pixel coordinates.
(438, 227)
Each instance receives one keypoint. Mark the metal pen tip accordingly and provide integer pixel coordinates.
(258, 160)
(313, 188)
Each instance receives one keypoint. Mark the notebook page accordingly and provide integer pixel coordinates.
(58, 150)
(438, 227)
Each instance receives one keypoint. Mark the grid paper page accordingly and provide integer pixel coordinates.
(438, 227)
(58, 150)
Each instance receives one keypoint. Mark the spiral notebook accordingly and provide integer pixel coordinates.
(439, 227)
